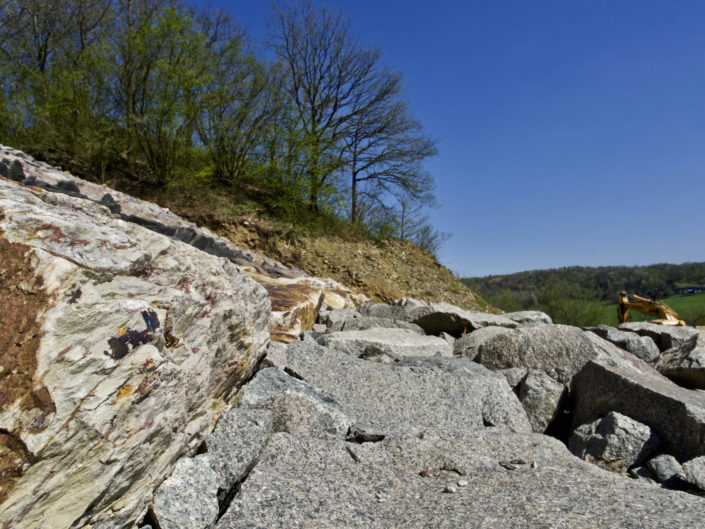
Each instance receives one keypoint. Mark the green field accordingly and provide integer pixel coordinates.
(690, 307)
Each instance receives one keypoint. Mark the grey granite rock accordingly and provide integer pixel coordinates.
(398, 399)
(663, 467)
(296, 406)
(557, 350)
(508, 480)
(685, 363)
(642, 346)
(188, 498)
(352, 320)
(275, 356)
(382, 310)
(630, 386)
(541, 397)
(693, 473)
(665, 336)
(235, 443)
(435, 318)
(380, 344)
(615, 441)
(471, 344)
(529, 318)
(514, 375)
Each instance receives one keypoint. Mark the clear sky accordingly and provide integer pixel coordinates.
(571, 132)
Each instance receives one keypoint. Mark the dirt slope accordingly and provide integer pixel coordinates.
(383, 271)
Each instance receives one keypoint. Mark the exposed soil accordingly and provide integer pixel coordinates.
(382, 270)
(21, 303)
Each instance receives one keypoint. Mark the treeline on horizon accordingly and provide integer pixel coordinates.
(163, 93)
(577, 295)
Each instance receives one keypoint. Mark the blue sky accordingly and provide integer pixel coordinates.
(571, 132)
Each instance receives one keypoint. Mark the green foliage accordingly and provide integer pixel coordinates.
(166, 98)
(587, 296)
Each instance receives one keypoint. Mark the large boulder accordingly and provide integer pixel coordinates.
(296, 406)
(629, 386)
(615, 441)
(438, 393)
(296, 303)
(352, 320)
(542, 398)
(435, 318)
(471, 344)
(557, 350)
(489, 478)
(685, 363)
(529, 318)
(386, 344)
(642, 346)
(119, 347)
(665, 336)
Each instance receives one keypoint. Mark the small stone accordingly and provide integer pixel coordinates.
(425, 474)
(663, 467)
(450, 489)
(508, 465)
(463, 483)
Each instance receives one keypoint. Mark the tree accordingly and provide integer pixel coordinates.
(237, 104)
(384, 151)
(345, 100)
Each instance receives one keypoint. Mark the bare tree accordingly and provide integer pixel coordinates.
(332, 79)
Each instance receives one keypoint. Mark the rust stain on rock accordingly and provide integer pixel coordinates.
(286, 297)
(22, 301)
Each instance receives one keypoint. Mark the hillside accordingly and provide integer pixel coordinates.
(587, 295)
(384, 269)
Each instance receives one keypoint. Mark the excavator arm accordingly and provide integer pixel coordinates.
(665, 315)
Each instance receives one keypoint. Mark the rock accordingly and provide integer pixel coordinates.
(119, 347)
(557, 350)
(352, 320)
(109, 202)
(685, 363)
(16, 171)
(447, 337)
(665, 336)
(401, 481)
(693, 473)
(386, 345)
(335, 320)
(235, 444)
(295, 305)
(435, 318)
(615, 441)
(631, 387)
(470, 345)
(68, 186)
(296, 407)
(642, 346)
(188, 498)
(663, 467)
(529, 318)
(514, 375)
(383, 311)
(399, 399)
(643, 474)
(275, 356)
(541, 397)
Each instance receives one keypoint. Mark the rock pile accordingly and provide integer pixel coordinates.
(141, 386)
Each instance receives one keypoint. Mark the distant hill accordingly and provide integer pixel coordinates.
(588, 287)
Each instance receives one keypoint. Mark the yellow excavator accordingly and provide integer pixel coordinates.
(665, 314)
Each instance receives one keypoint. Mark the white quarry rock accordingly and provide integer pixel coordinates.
(130, 347)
